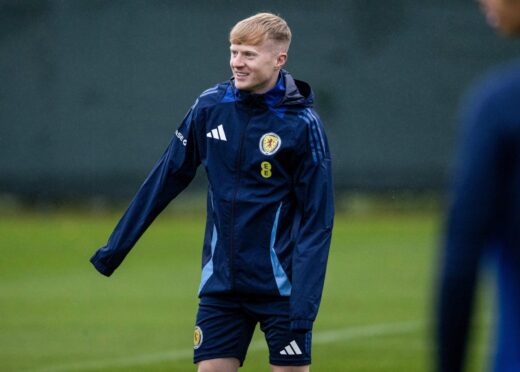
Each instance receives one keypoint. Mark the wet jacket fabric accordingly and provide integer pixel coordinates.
(270, 198)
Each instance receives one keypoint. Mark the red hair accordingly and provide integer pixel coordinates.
(259, 28)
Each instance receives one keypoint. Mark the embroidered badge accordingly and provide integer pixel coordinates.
(197, 337)
(265, 169)
(270, 143)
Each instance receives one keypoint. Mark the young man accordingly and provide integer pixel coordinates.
(270, 204)
(484, 218)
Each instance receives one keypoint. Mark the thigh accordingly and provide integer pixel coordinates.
(223, 330)
(289, 368)
(286, 347)
(219, 365)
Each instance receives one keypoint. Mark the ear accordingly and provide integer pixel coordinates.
(280, 60)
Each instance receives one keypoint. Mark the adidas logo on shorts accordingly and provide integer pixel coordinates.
(291, 349)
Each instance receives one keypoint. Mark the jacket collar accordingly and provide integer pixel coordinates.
(286, 92)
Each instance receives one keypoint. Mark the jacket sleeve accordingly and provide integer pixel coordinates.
(170, 175)
(473, 216)
(314, 193)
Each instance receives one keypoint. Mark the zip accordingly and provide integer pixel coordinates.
(233, 201)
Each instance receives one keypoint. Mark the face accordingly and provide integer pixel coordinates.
(503, 15)
(256, 67)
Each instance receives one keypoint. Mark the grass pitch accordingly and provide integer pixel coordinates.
(58, 314)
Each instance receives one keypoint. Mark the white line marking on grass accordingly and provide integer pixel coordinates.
(121, 362)
(353, 333)
(323, 337)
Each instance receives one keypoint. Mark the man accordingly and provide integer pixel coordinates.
(270, 204)
(484, 218)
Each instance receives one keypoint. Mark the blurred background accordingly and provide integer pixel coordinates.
(91, 92)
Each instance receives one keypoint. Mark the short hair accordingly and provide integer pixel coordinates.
(259, 28)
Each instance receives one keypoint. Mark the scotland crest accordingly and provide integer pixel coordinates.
(270, 143)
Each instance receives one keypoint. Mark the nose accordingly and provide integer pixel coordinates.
(237, 61)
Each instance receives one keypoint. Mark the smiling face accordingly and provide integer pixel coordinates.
(256, 67)
(504, 15)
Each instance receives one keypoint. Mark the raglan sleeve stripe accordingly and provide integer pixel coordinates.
(315, 199)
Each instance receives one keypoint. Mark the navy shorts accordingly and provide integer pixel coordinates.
(225, 326)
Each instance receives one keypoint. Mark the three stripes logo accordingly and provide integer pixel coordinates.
(217, 133)
(291, 349)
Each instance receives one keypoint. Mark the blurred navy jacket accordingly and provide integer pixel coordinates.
(484, 219)
(270, 198)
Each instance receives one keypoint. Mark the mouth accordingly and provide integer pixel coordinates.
(241, 75)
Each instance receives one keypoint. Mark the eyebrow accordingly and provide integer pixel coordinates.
(231, 48)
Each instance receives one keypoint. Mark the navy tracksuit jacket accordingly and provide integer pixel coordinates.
(270, 197)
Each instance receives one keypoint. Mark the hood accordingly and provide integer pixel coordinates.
(287, 92)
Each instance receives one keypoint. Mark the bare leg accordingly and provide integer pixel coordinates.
(289, 368)
(219, 365)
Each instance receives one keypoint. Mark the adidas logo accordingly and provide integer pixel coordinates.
(291, 349)
(217, 133)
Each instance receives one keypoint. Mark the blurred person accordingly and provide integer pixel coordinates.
(269, 204)
(484, 215)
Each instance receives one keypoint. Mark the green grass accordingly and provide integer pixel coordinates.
(58, 313)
